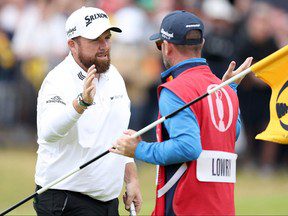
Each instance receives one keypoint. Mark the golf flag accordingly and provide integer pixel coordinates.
(273, 70)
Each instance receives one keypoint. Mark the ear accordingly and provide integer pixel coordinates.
(167, 48)
(72, 45)
(203, 42)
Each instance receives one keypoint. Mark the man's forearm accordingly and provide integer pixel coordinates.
(133, 193)
(131, 173)
(55, 123)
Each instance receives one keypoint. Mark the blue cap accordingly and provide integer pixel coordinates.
(175, 27)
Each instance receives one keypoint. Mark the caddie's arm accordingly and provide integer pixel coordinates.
(231, 72)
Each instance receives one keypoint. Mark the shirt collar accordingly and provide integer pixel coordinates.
(79, 72)
(177, 69)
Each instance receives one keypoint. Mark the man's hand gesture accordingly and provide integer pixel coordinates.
(89, 89)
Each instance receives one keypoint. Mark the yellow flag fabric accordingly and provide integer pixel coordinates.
(273, 70)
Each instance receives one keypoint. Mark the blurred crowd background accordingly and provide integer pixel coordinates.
(33, 41)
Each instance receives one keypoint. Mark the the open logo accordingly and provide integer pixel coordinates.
(218, 102)
(282, 106)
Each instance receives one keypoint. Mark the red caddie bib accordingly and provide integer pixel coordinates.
(210, 191)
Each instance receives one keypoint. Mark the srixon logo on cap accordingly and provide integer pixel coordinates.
(90, 18)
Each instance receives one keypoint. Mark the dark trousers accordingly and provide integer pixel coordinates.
(62, 202)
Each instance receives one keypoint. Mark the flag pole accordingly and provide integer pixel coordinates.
(43, 189)
(209, 92)
(138, 133)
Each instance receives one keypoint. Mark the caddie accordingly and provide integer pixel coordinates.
(196, 148)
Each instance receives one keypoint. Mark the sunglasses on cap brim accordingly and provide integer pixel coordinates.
(159, 44)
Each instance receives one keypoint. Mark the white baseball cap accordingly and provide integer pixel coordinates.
(88, 22)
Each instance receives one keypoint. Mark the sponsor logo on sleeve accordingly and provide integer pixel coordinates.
(81, 76)
(56, 99)
(115, 97)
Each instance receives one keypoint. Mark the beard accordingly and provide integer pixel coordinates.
(101, 65)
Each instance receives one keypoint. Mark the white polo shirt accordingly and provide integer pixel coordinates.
(68, 139)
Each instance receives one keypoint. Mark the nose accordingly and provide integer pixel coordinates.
(104, 44)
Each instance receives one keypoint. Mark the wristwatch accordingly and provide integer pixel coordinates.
(81, 101)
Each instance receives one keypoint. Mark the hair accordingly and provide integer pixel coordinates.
(76, 39)
(191, 49)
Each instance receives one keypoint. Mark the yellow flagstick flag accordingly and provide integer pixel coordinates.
(273, 70)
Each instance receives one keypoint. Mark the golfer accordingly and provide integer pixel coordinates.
(82, 108)
(195, 148)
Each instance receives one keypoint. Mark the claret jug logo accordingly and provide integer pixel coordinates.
(282, 106)
(89, 19)
(218, 103)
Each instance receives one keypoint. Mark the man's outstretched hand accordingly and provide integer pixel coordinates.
(231, 72)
